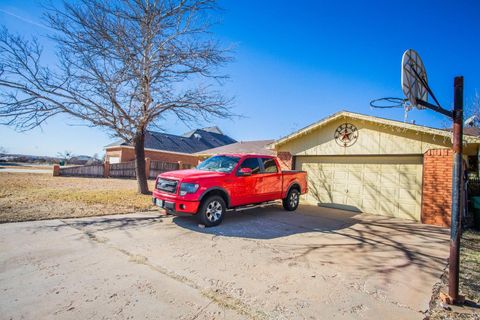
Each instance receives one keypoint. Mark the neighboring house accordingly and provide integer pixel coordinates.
(377, 166)
(252, 147)
(169, 147)
(255, 146)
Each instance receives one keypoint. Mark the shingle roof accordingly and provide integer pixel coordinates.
(243, 147)
(195, 141)
(471, 131)
(213, 129)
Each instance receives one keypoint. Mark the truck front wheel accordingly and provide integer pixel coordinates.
(212, 211)
(291, 201)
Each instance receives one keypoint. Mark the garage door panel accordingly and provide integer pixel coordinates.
(340, 175)
(355, 189)
(407, 180)
(369, 206)
(407, 195)
(355, 179)
(339, 188)
(389, 186)
(388, 208)
(389, 192)
(389, 179)
(371, 176)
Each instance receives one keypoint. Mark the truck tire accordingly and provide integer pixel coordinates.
(291, 201)
(212, 211)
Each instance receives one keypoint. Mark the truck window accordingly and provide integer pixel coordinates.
(269, 165)
(251, 163)
(219, 164)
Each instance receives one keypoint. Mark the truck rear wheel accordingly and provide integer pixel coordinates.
(212, 211)
(291, 201)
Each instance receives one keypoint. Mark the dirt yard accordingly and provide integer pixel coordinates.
(26, 196)
(469, 283)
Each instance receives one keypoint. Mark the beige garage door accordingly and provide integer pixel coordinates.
(389, 186)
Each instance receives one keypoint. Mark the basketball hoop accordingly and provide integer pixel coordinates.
(414, 86)
(414, 79)
(387, 103)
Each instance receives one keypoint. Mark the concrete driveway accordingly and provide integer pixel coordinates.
(315, 263)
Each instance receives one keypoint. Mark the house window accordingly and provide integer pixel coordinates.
(113, 160)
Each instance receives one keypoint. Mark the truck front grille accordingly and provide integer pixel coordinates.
(167, 185)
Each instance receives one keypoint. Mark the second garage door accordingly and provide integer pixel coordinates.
(390, 186)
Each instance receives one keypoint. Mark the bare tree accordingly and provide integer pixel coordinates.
(122, 65)
(65, 156)
(472, 112)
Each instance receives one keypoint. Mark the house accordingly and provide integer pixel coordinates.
(377, 166)
(169, 147)
(251, 147)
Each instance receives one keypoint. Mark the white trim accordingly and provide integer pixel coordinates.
(409, 126)
(155, 150)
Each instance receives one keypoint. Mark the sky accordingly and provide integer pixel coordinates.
(297, 62)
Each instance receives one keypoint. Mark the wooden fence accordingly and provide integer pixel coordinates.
(122, 170)
(119, 170)
(95, 170)
(157, 167)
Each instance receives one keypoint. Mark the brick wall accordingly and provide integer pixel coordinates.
(285, 159)
(128, 154)
(437, 187)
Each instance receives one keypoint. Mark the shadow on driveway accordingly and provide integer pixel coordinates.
(364, 242)
(384, 244)
(274, 222)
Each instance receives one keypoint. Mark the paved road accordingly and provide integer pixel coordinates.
(316, 263)
(26, 170)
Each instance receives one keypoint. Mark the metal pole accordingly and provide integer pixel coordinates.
(455, 226)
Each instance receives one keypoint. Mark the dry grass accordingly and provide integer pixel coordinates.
(469, 283)
(25, 196)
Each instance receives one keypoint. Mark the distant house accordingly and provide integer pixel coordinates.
(242, 147)
(255, 147)
(169, 147)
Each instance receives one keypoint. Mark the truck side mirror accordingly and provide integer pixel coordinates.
(245, 172)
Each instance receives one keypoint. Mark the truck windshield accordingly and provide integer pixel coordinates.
(219, 164)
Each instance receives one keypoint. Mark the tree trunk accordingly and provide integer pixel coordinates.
(139, 145)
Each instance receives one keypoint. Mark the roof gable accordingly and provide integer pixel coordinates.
(372, 119)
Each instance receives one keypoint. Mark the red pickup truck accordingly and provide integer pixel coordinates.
(228, 182)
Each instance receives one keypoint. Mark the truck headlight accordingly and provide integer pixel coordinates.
(188, 188)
